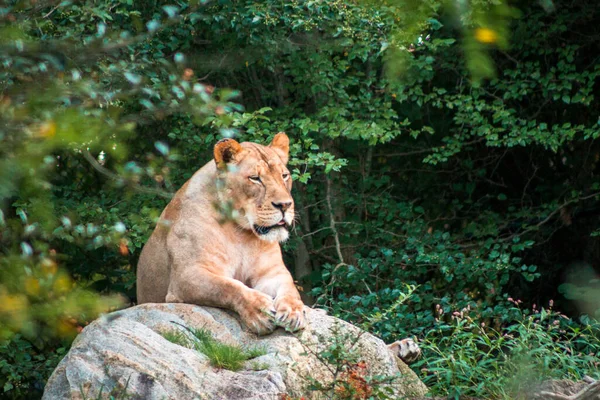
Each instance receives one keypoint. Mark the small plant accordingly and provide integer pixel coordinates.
(258, 366)
(117, 393)
(353, 382)
(350, 378)
(177, 337)
(220, 355)
(255, 352)
(465, 357)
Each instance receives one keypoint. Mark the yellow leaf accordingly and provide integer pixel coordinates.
(12, 304)
(47, 129)
(49, 267)
(485, 35)
(32, 286)
(66, 327)
(62, 284)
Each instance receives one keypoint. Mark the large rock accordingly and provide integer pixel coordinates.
(125, 353)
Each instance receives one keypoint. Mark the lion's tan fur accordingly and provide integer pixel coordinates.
(193, 257)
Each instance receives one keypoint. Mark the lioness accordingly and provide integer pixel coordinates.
(193, 257)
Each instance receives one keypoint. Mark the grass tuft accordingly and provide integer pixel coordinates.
(254, 352)
(220, 355)
(258, 366)
(178, 337)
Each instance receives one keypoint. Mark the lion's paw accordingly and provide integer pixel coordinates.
(406, 349)
(289, 313)
(258, 313)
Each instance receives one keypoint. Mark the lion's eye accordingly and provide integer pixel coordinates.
(286, 176)
(255, 178)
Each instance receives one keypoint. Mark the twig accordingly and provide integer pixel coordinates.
(535, 170)
(332, 222)
(549, 217)
(429, 150)
(315, 232)
(51, 11)
(406, 153)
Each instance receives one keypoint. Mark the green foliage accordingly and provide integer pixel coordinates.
(220, 355)
(24, 367)
(483, 25)
(46, 157)
(464, 357)
(71, 98)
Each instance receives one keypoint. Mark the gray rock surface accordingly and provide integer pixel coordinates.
(124, 354)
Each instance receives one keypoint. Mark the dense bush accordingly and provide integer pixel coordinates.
(407, 170)
(464, 357)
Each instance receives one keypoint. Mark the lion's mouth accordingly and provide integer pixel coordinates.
(263, 230)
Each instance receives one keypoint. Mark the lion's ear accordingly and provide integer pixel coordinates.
(225, 152)
(281, 143)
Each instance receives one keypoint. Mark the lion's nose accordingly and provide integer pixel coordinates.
(282, 205)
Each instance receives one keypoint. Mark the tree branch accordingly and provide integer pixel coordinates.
(332, 221)
(106, 172)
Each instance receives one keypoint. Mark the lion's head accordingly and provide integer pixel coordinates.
(255, 179)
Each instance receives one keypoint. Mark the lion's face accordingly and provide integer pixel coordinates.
(258, 183)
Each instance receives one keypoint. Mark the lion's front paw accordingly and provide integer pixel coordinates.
(258, 313)
(289, 313)
(406, 349)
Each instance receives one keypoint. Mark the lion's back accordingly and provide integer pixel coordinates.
(153, 271)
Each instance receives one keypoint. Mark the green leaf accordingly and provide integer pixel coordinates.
(162, 147)
(133, 78)
(171, 11)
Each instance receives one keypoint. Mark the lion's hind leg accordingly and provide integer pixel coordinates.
(406, 349)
